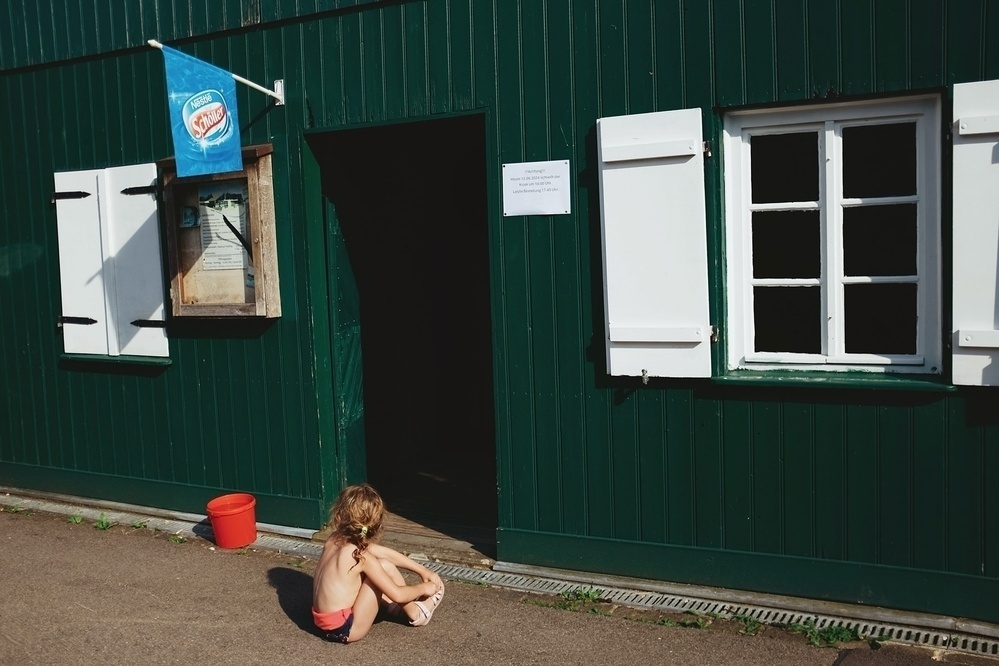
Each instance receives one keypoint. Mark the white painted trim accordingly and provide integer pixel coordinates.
(980, 125)
(978, 339)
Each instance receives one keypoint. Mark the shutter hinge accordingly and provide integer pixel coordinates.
(706, 147)
(714, 333)
(145, 189)
(84, 321)
(58, 196)
(149, 323)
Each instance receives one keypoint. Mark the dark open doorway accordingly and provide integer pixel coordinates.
(410, 200)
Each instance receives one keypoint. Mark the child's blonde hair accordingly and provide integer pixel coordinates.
(356, 517)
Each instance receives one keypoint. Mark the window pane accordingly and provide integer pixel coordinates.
(879, 160)
(786, 244)
(880, 318)
(785, 167)
(879, 240)
(787, 319)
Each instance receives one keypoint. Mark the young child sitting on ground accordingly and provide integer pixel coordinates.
(355, 576)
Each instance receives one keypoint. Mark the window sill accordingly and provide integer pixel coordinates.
(838, 380)
(116, 360)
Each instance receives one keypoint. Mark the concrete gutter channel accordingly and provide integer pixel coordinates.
(457, 561)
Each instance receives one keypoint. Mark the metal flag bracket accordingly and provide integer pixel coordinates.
(277, 93)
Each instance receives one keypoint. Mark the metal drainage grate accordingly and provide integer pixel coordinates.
(764, 615)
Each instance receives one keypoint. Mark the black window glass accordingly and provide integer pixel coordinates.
(787, 319)
(879, 160)
(785, 167)
(880, 318)
(879, 240)
(786, 244)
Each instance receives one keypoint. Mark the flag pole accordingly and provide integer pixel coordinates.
(277, 93)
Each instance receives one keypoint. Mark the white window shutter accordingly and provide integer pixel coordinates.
(135, 258)
(976, 234)
(81, 262)
(110, 262)
(654, 244)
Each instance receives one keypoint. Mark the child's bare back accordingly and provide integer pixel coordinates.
(356, 577)
(337, 580)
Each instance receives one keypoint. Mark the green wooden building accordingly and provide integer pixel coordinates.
(701, 292)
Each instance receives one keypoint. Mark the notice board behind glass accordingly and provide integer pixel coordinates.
(222, 240)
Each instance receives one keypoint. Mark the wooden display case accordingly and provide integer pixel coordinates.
(221, 240)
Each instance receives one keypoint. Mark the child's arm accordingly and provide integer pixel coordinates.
(381, 580)
(403, 562)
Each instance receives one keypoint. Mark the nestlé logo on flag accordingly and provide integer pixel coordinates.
(203, 117)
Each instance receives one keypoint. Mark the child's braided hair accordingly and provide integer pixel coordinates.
(356, 517)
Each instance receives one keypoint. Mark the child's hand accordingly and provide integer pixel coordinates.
(432, 577)
(429, 588)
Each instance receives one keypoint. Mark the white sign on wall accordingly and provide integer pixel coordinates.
(537, 188)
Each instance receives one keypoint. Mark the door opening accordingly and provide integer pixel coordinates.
(410, 200)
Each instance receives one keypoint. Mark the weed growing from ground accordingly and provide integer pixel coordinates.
(588, 594)
(104, 523)
(877, 642)
(572, 600)
(827, 636)
(751, 626)
(139, 524)
(176, 538)
(75, 519)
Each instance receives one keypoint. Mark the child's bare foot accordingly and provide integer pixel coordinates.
(428, 606)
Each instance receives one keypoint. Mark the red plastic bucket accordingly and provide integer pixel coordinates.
(234, 520)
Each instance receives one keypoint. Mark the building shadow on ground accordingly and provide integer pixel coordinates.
(294, 593)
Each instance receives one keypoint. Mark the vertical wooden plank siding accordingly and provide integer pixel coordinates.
(736, 484)
(965, 55)
(767, 478)
(926, 43)
(883, 479)
(680, 442)
(797, 459)
(823, 46)
(761, 51)
(929, 483)
(856, 30)
(894, 485)
(596, 471)
(730, 53)
(791, 53)
(891, 38)
(863, 460)
(830, 482)
(568, 276)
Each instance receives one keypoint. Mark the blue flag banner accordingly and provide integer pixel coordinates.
(203, 117)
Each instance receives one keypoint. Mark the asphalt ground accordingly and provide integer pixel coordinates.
(71, 593)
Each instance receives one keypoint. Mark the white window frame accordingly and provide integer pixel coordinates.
(828, 120)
